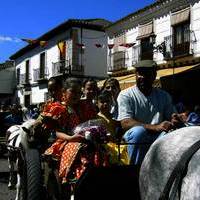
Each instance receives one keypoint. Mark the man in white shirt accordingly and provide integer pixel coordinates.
(145, 112)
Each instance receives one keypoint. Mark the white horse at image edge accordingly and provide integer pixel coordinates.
(17, 138)
(162, 158)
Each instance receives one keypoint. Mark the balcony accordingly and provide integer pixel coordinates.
(117, 61)
(39, 74)
(142, 52)
(24, 79)
(136, 55)
(61, 67)
(65, 67)
(179, 45)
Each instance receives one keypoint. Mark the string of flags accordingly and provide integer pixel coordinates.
(43, 43)
(110, 46)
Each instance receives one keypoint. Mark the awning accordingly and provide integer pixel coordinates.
(145, 30)
(124, 81)
(171, 71)
(129, 80)
(180, 16)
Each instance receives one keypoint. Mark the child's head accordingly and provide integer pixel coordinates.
(112, 85)
(55, 88)
(90, 89)
(104, 102)
(72, 91)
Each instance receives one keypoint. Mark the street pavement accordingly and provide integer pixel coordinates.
(5, 193)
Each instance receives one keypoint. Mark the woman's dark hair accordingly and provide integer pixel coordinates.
(69, 82)
(89, 80)
(111, 80)
(57, 81)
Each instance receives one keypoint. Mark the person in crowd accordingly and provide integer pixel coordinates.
(55, 90)
(55, 87)
(112, 85)
(15, 117)
(145, 112)
(90, 91)
(104, 103)
(67, 145)
(194, 117)
(4, 112)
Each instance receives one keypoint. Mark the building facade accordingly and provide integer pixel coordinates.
(7, 83)
(166, 31)
(67, 50)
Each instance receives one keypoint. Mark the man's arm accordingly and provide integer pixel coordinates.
(163, 126)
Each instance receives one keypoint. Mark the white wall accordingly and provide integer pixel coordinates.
(38, 95)
(162, 29)
(94, 59)
(195, 25)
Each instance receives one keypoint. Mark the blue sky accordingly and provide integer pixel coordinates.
(32, 18)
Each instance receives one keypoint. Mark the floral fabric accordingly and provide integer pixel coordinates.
(69, 153)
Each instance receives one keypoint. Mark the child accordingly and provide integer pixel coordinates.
(112, 85)
(90, 89)
(104, 104)
(90, 92)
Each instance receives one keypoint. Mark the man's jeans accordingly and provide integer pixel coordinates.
(143, 140)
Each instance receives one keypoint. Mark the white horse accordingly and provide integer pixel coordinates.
(161, 160)
(16, 138)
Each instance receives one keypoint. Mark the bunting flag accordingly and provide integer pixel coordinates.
(30, 41)
(80, 45)
(42, 43)
(62, 47)
(110, 46)
(127, 45)
(99, 45)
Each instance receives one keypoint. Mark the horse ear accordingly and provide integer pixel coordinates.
(25, 129)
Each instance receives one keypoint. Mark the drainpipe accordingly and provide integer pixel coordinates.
(81, 47)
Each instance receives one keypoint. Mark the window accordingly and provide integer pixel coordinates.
(181, 39)
(145, 35)
(146, 49)
(18, 76)
(42, 65)
(27, 71)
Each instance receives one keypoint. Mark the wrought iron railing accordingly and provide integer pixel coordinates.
(24, 79)
(117, 61)
(39, 74)
(65, 67)
(179, 45)
(136, 54)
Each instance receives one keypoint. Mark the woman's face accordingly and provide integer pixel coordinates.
(104, 105)
(73, 94)
(90, 90)
(111, 87)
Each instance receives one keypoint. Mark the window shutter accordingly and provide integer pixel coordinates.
(145, 30)
(180, 16)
